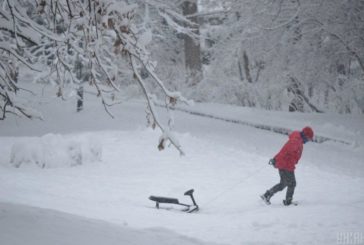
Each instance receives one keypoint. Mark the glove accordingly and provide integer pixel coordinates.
(272, 162)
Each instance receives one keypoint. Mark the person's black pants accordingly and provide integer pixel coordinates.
(288, 180)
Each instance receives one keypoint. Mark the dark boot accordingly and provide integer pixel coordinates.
(266, 197)
(287, 202)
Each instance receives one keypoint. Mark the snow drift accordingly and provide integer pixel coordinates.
(54, 150)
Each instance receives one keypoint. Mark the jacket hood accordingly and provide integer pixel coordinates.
(295, 135)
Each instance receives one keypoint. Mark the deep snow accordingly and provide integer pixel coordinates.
(226, 164)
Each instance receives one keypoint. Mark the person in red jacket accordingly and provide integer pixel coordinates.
(285, 161)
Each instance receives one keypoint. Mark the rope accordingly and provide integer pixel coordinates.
(209, 202)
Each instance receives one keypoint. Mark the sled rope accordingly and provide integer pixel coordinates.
(218, 196)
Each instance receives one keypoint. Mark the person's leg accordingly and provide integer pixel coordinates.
(278, 187)
(290, 179)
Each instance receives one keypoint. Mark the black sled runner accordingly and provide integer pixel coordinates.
(188, 208)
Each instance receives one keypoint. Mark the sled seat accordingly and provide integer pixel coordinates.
(189, 192)
(163, 200)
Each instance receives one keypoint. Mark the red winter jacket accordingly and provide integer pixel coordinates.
(290, 153)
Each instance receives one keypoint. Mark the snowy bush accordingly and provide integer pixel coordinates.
(51, 151)
(29, 152)
(91, 150)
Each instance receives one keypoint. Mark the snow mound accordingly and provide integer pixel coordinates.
(54, 150)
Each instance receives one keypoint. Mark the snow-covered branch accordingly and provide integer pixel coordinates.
(84, 41)
(167, 135)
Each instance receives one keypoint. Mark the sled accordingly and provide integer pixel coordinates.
(188, 208)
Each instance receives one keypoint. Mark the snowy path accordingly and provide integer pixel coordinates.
(225, 163)
(246, 120)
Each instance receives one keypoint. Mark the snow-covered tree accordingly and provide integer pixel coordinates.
(288, 55)
(109, 38)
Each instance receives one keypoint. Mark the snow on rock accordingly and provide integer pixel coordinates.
(54, 150)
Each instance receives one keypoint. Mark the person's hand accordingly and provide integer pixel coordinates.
(272, 162)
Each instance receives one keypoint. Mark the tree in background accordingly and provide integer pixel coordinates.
(192, 48)
(288, 55)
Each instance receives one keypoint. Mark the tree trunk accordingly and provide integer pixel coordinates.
(192, 46)
(240, 70)
(80, 98)
(247, 67)
(79, 68)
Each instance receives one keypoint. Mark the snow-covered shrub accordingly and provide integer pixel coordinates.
(27, 152)
(51, 151)
(91, 150)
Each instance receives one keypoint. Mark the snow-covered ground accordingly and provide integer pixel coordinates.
(28, 225)
(225, 163)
